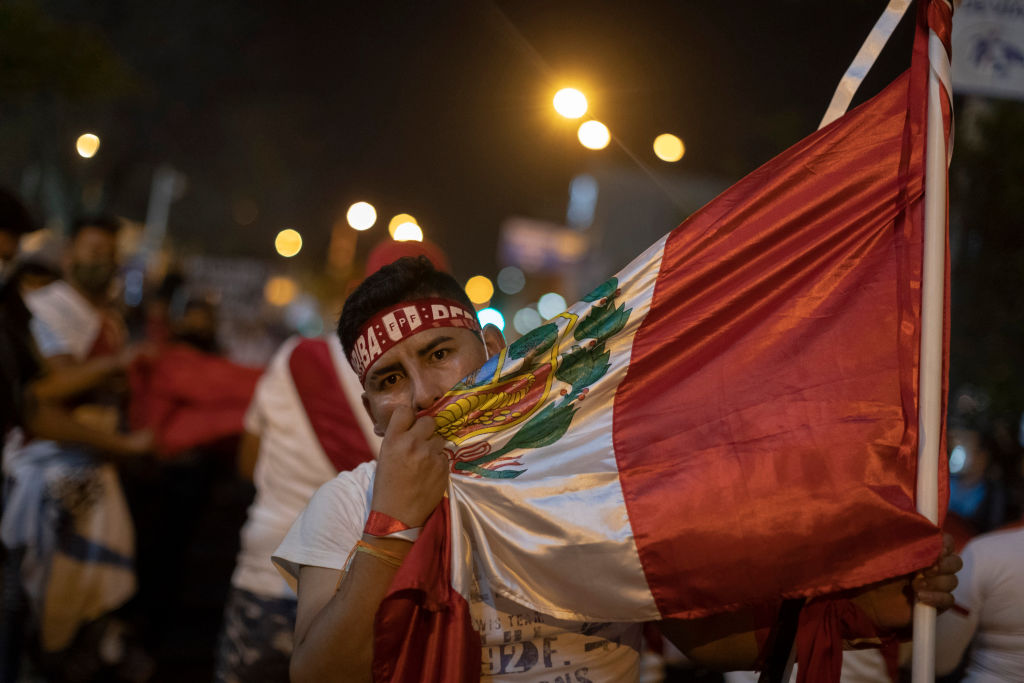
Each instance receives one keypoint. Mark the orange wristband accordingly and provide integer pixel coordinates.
(383, 525)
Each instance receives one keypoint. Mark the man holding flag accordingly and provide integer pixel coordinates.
(731, 421)
(411, 336)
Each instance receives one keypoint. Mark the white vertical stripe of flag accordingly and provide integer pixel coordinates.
(569, 506)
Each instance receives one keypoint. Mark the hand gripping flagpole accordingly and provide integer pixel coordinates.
(932, 336)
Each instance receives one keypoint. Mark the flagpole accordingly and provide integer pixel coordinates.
(932, 337)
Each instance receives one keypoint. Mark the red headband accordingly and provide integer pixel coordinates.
(394, 324)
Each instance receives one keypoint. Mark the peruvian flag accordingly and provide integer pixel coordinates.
(730, 420)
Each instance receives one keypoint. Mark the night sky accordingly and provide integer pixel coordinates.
(442, 110)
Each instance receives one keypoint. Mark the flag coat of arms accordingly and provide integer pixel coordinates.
(729, 420)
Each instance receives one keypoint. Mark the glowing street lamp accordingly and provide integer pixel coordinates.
(361, 216)
(479, 289)
(399, 220)
(280, 291)
(87, 145)
(288, 242)
(570, 103)
(594, 135)
(668, 147)
(408, 232)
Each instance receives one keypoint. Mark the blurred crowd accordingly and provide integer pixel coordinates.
(147, 479)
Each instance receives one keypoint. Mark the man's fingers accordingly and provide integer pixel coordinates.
(947, 564)
(401, 420)
(423, 428)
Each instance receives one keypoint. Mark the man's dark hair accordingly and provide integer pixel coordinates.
(14, 217)
(104, 222)
(405, 279)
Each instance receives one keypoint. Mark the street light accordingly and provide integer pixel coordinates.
(594, 135)
(570, 103)
(288, 242)
(668, 147)
(87, 145)
(398, 220)
(479, 289)
(408, 232)
(280, 291)
(361, 216)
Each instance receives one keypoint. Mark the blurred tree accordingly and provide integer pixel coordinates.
(51, 71)
(987, 246)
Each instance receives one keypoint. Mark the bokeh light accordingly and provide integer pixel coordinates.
(408, 232)
(570, 103)
(550, 305)
(594, 135)
(280, 290)
(87, 145)
(479, 289)
(400, 219)
(525, 320)
(361, 216)
(668, 147)
(511, 280)
(288, 242)
(957, 459)
(491, 316)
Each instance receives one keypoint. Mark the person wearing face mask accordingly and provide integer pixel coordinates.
(78, 309)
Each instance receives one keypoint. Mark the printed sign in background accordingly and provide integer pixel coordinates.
(988, 48)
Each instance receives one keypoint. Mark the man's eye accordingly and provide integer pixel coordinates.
(439, 354)
(389, 381)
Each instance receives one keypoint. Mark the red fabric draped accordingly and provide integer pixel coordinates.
(324, 401)
(819, 644)
(189, 398)
(423, 631)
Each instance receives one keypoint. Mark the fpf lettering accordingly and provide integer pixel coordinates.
(413, 317)
(391, 326)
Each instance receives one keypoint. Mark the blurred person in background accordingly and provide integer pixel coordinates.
(189, 504)
(977, 493)
(987, 619)
(304, 425)
(197, 326)
(15, 221)
(65, 515)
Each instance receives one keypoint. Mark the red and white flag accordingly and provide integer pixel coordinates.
(730, 420)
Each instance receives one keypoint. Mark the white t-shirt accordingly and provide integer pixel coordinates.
(859, 666)
(991, 591)
(290, 466)
(69, 323)
(517, 643)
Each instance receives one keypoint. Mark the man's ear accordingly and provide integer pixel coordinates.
(494, 340)
(366, 406)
